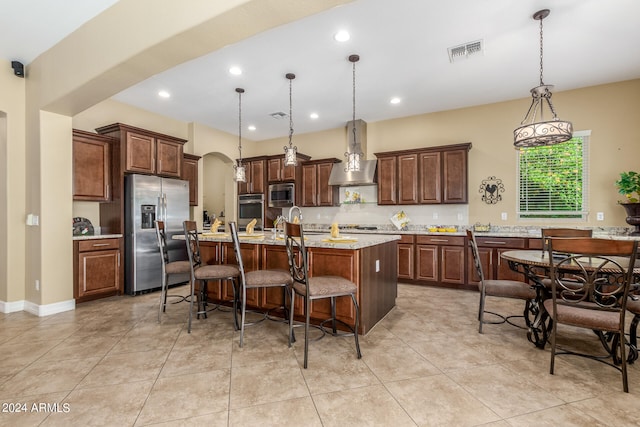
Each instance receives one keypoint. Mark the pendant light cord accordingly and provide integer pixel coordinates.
(240, 91)
(541, 52)
(290, 113)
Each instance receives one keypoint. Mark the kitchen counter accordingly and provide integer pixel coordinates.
(98, 236)
(313, 239)
(370, 263)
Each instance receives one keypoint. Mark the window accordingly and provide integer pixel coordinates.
(553, 179)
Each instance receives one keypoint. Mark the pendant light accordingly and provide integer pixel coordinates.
(354, 155)
(239, 172)
(290, 152)
(532, 133)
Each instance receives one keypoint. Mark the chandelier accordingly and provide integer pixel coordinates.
(354, 155)
(290, 152)
(534, 130)
(239, 172)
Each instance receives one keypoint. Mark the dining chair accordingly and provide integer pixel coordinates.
(498, 288)
(548, 233)
(313, 288)
(633, 306)
(202, 273)
(168, 268)
(257, 279)
(595, 297)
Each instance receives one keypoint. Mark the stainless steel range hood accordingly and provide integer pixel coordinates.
(367, 173)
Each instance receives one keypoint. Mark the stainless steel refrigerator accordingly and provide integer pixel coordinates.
(147, 199)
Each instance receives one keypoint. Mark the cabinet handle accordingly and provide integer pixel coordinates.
(101, 244)
(118, 259)
(489, 242)
(439, 240)
(108, 191)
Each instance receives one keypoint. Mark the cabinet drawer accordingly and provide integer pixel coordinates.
(441, 240)
(502, 242)
(98, 244)
(407, 238)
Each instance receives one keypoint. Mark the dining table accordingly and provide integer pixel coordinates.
(535, 265)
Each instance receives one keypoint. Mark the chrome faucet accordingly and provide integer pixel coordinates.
(299, 213)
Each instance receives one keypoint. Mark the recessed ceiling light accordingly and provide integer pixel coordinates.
(251, 127)
(164, 94)
(395, 100)
(341, 36)
(236, 71)
(314, 115)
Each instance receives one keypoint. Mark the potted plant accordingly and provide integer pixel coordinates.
(629, 186)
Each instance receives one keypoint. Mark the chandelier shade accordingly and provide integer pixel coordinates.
(239, 174)
(290, 151)
(534, 130)
(354, 155)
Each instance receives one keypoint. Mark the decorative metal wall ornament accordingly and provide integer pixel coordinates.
(491, 189)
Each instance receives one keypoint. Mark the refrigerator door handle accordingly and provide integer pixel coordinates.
(164, 206)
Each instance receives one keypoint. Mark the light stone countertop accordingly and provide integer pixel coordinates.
(312, 239)
(97, 236)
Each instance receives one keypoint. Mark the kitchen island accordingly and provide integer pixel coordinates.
(367, 260)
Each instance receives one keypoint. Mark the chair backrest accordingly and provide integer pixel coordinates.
(193, 244)
(561, 232)
(162, 244)
(476, 255)
(236, 248)
(296, 252)
(594, 273)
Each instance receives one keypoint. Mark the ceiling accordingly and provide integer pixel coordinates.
(403, 53)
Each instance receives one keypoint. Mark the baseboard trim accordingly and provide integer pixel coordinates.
(38, 310)
(11, 307)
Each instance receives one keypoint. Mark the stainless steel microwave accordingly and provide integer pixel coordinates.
(282, 195)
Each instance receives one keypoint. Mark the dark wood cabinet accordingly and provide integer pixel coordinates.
(441, 259)
(430, 182)
(147, 152)
(136, 150)
(406, 257)
(97, 269)
(430, 175)
(91, 166)
(493, 266)
(316, 190)
(387, 180)
(255, 172)
(408, 179)
(190, 173)
(278, 172)
(455, 175)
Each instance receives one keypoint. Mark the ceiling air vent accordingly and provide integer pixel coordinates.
(464, 51)
(279, 115)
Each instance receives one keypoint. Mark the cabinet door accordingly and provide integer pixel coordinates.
(336, 263)
(245, 187)
(91, 169)
(190, 173)
(309, 185)
(140, 153)
(274, 257)
(486, 260)
(288, 173)
(257, 177)
(405, 261)
(98, 272)
(408, 179)
(452, 264)
(454, 176)
(427, 263)
(326, 192)
(430, 178)
(169, 158)
(387, 185)
(274, 170)
(503, 272)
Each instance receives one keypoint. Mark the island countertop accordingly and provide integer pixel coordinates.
(312, 239)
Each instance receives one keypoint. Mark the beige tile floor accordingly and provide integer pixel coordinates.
(110, 363)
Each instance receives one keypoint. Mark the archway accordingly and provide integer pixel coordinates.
(219, 190)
